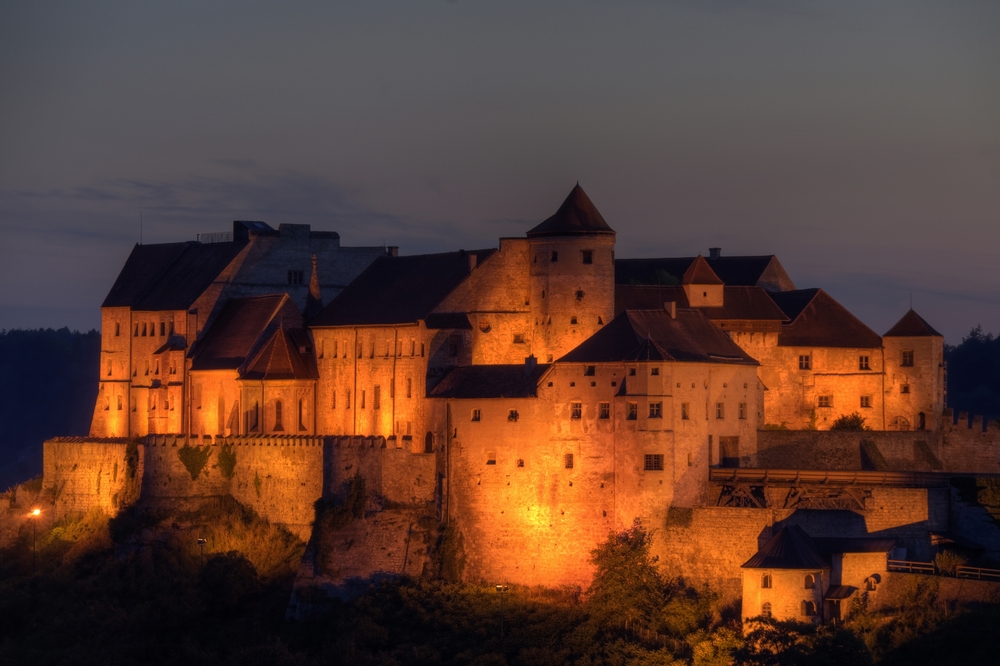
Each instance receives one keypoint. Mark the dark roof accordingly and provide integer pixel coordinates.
(653, 335)
(448, 320)
(239, 327)
(739, 303)
(790, 548)
(169, 276)
(490, 381)
(839, 592)
(576, 216)
(751, 271)
(287, 354)
(699, 272)
(398, 290)
(828, 546)
(950, 537)
(912, 325)
(817, 320)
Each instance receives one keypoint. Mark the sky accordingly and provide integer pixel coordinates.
(857, 141)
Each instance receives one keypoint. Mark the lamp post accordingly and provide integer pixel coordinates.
(34, 558)
(201, 545)
(502, 591)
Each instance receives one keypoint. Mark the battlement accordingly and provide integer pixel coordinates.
(963, 421)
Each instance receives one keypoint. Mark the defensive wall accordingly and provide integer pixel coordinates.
(963, 445)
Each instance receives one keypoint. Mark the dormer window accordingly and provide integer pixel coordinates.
(295, 277)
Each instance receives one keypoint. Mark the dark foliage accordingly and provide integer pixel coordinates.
(226, 580)
(853, 422)
(772, 642)
(974, 374)
(48, 385)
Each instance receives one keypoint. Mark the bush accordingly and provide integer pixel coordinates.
(627, 584)
(852, 422)
(948, 561)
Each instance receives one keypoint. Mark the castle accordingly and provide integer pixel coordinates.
(533, 396)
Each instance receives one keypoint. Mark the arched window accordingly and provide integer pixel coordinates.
(765, 609)
(277, 415)
(808, 608)
(810, 581)
(921, 421)
(899, 423)
(429, 442)
(765, 581)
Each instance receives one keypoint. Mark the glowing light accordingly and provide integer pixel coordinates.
(36, 512)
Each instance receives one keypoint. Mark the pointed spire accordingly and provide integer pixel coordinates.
(699, 272)
(314, 301)
(577, 215)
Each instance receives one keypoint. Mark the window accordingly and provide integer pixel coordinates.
(905, 388)
(589, 371)
(118, 329)
(491, 458)
(810, 581)
(144, 330)
(804, 362)
(520, 462)
(512, 415)
(720, 410)
(136, 334)
(277, 415)
(863, 363)
(518, 339)
(632, 412)
(655, 410)
(333, 399)
(555, 256)
(119, 403)
(576, 410)
(363, 396)
(631, 372)
(347, 399)
(163, 329)
(409, 387)
(477, 415)
(765, 609)
(808, 608)
(685, 411)
(653, 462)
(907, 359)
(377, 397)
(866, 401)
(604, 410)
(826, 401)
(743, 410)
(429, 442)
(579, 294)
(568, 461)
(109, 368)
(572, 321)
(765, 582)
(294, 277)
(654, 371)
(302, 425)
(588, 256)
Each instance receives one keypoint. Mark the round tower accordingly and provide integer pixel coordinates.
(572, 263)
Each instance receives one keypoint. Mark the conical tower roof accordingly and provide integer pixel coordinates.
(790, 548)
(576, 216)
(699, 272)
(911, 325)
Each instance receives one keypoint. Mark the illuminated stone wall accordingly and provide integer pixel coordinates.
(787, 593)
(84, 473)
(916, 389)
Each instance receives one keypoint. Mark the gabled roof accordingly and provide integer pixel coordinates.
(243, 324)
(287, 354)
(912, 325)
(170, 276)
(739, 303)
(790, 548)
(640, 335)
(576, 216)
(699, 272)
(490, 381)
(751, 271)
(817, 320)
(398, 290)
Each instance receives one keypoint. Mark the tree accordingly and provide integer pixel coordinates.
(853, 422)
(770, 642)
(627, 583)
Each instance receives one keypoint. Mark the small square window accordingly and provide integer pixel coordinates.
(826, 401)
(743, 410)
(512, 415)
(863, 363)
(520, 462)
(588, 256)
(554, 256)
(604, 410)
(476, 415)
(491, 458)
(632, 412)
(519, 338)
(631, 372)
(905, 388)
(576, 410)
(656, 410)
(568, 461)
(720, 410)
(804, 362)
(572, 321)
(866, 401)
(685, 411)
(907, 361)
(653, 462)
(589, 371)
(654, 371)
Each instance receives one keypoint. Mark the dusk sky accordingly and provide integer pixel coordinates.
(858, 141)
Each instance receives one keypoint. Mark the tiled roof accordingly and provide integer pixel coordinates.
(576, 216)
(654, 335)
(490, 381)
(817, 320)
(398, 290)
(739, 303)
(790, 548)
(751, 271)
(839, 592)
(911, 325)
(242, 324)
(700, 273)
(170, 276)
(287, 354)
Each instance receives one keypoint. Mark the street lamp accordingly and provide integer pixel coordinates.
(34, 558)
(502, 590)
(201, 544)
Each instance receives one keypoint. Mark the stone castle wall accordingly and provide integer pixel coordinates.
(86, 473)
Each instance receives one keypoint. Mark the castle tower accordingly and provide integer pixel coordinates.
(914, 368)
(572, 270)
(702, 286)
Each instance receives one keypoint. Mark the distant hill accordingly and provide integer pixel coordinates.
(48, 384)
(974, 374)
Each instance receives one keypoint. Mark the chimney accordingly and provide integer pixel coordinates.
(714, 253)
(473, 261)
(671, 308)
(530, 363)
